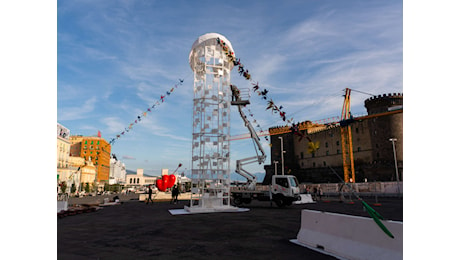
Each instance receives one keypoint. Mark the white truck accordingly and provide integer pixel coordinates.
(283, 189)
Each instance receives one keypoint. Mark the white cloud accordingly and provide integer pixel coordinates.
(78, 112)
(114, 124)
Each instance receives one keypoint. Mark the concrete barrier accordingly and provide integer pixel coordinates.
(349, 237)
(304, 198)
(62, 205)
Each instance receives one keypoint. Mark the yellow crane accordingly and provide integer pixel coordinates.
(346, 138)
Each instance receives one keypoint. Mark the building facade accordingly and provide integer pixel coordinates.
(139, 179)
(372, 149)
(62, 154)
(117, 172)
(96, 150)
(88, 175)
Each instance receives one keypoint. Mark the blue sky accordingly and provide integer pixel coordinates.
(115, 59)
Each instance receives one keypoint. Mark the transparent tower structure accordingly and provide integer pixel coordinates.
(211, 125)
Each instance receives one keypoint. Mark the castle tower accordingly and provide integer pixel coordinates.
(388, 125)
(211, 124)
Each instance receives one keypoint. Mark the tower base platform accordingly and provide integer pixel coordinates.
(197, 210)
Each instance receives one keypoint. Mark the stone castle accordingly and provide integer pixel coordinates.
(372, 149)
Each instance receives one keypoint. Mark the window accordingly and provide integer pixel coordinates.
(91, 142)
(301, 155)
(359, 149)
(327, 144)
(324, 163)
(97, 142)
(327, 152)
(338, 142)
(86, 141)
(130, 180)
(282, 182)
(338, 151)
(357, 130)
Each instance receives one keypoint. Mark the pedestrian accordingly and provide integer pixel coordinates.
(175, 194)
(150, 195)
(320, 191)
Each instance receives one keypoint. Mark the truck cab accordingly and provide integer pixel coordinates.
(284, 189)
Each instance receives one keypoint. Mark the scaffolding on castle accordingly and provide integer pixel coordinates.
(210, 174)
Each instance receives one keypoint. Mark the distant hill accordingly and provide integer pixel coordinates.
(130, 172)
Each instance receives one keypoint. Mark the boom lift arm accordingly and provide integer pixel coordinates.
(252, 180)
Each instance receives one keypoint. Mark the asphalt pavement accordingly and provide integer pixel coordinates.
(135, 230)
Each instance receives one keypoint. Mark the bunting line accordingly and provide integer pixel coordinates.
(275, 109)
(148, 110)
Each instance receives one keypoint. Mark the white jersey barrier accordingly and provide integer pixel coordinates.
(349, 237)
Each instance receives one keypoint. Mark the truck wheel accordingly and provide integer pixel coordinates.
(279, 202)
(237, 201)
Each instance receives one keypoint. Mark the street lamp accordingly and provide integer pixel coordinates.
(393, 140)
(282, 155)
(276, 167)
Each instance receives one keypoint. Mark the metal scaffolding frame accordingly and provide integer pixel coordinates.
(210, 172)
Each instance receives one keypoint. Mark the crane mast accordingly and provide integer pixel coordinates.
(252, 179)
(346, 138)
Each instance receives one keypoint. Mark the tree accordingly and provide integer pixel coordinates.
(63, 186)
(73, 188)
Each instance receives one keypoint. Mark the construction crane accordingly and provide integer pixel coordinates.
(251, 178)
(346, 138)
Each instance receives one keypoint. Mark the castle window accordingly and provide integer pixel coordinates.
(327, 152)
(357, 130)
(324, 163)
(338, 151)
(359, 149)
(327, 144)
(338, 143)
(301, 155)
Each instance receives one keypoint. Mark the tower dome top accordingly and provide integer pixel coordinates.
(203, 39)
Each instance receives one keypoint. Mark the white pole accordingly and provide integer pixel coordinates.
(393, 140)
(282, 155)
(276, 167)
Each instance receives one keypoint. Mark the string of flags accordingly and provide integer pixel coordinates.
(148, 110)
(256, 123)
(275, 109)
